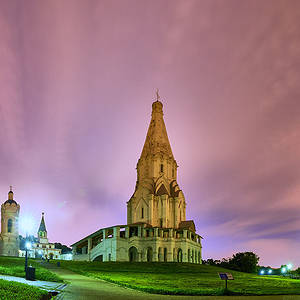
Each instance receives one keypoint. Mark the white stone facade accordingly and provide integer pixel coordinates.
(139, 243)
(9, 237)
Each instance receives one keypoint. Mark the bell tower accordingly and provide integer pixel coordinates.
(157, 199)
(9, 238)
(42, 232)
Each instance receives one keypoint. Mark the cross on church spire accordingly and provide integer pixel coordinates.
(157, 95)
(10, 188)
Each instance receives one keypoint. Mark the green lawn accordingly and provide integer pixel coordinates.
(184, 279)
(19, 291)
(14, 266)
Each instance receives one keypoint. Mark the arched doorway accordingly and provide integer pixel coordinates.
(133, 254)
(165, 255)
(179, 255)
(159, 254)
(149, 254)
(51, 255)
(99, 258)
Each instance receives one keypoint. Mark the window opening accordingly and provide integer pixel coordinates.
(9, 225)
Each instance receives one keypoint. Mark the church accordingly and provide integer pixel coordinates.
(9, 236)
(42, 248)
(156, 229)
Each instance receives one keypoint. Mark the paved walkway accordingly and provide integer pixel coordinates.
(82, 287)
(45, 285)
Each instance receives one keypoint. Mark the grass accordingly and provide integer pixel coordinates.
(183, 279)
(20, 291)
(14, 266)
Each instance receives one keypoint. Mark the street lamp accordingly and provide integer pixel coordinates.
(26, 224)
(283, 270)
(270, 271)
(262, 272)
(289, 266)
(27, 247)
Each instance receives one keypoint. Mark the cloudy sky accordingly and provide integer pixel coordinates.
(77, 79)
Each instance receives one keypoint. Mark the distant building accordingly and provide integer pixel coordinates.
(42, 249)
(9, 237)
(157, 229)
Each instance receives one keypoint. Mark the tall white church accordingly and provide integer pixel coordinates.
(157, 229)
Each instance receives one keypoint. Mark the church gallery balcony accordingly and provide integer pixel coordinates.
(140, 232)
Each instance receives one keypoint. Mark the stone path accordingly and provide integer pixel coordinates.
(82, 287)
(45, 285)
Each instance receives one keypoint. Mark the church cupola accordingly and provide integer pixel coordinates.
(10, 199)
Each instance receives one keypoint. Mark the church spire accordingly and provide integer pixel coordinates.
(157, 140)
(42, 227)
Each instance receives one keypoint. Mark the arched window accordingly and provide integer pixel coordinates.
(9, 225)
(161, 168)
(179, 255)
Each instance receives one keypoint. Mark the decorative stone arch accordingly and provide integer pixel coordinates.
(99, 258)
(179, 255)
(141, 210)
(161, 187)
(133, 254)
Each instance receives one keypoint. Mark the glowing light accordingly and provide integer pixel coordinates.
(262, 272)
(270, 271)
(289, 266)
(283, 270)
(40, 252)
(28, 245)
(26, 224)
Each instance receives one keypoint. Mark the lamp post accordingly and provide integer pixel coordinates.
(27, 225)
(27, 247)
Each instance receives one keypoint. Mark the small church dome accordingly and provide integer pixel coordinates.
(10, 202)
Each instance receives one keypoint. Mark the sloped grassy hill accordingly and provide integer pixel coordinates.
(14, 266)
(184, 279)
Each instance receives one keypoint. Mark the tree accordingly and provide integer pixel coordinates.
(64, 248)
(244, 262)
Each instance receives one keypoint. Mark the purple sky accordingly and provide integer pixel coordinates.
(77, 80)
